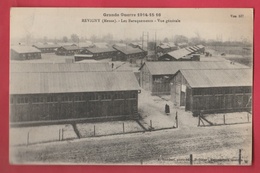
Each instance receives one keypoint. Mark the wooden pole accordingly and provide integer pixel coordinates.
(151, 123)
(224, 118)
(62, 134)
(94, 130)
(123, 128)
(28, 135)
(191, 159)
(176, 119)
(247, 117)
(199, 120)
(239, 157)
(59, 134)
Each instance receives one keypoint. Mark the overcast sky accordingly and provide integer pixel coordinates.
(59, 22)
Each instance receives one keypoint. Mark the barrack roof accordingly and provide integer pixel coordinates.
(72, 82)
(171, 67)
(198, 78)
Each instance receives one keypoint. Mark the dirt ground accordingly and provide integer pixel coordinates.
(108, 128)
(152, 110)
(228, 118)
(41, 134)
(148, 147)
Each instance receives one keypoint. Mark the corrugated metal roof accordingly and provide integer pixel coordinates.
(67, 44)
(192, 48)
(200, 46)
(100, 50)
(163, 46)
(101, 45)
(87, 44)
(59, 67)
(137, 44)
(71, 47)
(177, 54)
(189, 49)
(171, 67)
(120, 44)
(218, 78)
(43, 46)
(25, 49)
(171, 44)
(128, 50)
(196, 47)
(72, 82)
(182, 44)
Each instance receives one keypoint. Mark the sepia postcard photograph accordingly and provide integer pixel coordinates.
(131, 86)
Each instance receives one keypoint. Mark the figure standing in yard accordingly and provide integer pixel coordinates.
(167, 109)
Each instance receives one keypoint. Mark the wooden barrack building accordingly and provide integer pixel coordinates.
(25, 53)
(96, 53)
(47, 48)
(45, 96)
(212, 91)
(67, 50)
(128, 53)
(156, 76)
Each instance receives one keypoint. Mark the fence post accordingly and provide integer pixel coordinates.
(239, 157)
(28, 135)
(141, 161)
(224, 118)
(191, 159)
(247, 117)
(94, 130)
(176, 119)
(199, 120)
(123, 128)
(151, 123)
(62, 134)
(59, 134)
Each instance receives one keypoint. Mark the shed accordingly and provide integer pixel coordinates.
(176, 55)
(129, 53)
(98, 53)
(67, 50)
(47, 48)
(101, 45)
(212, 90)
(201, 48)
(25, 53)
(85, 44)
(182, 45)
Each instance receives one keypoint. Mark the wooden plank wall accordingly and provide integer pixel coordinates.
(69, 106)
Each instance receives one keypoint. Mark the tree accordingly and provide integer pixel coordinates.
(180, 39)
(45, 39)
(28, 38)
(93, 38)
(108, 37)
(74, 38)
(65, 39)
(166, 40)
